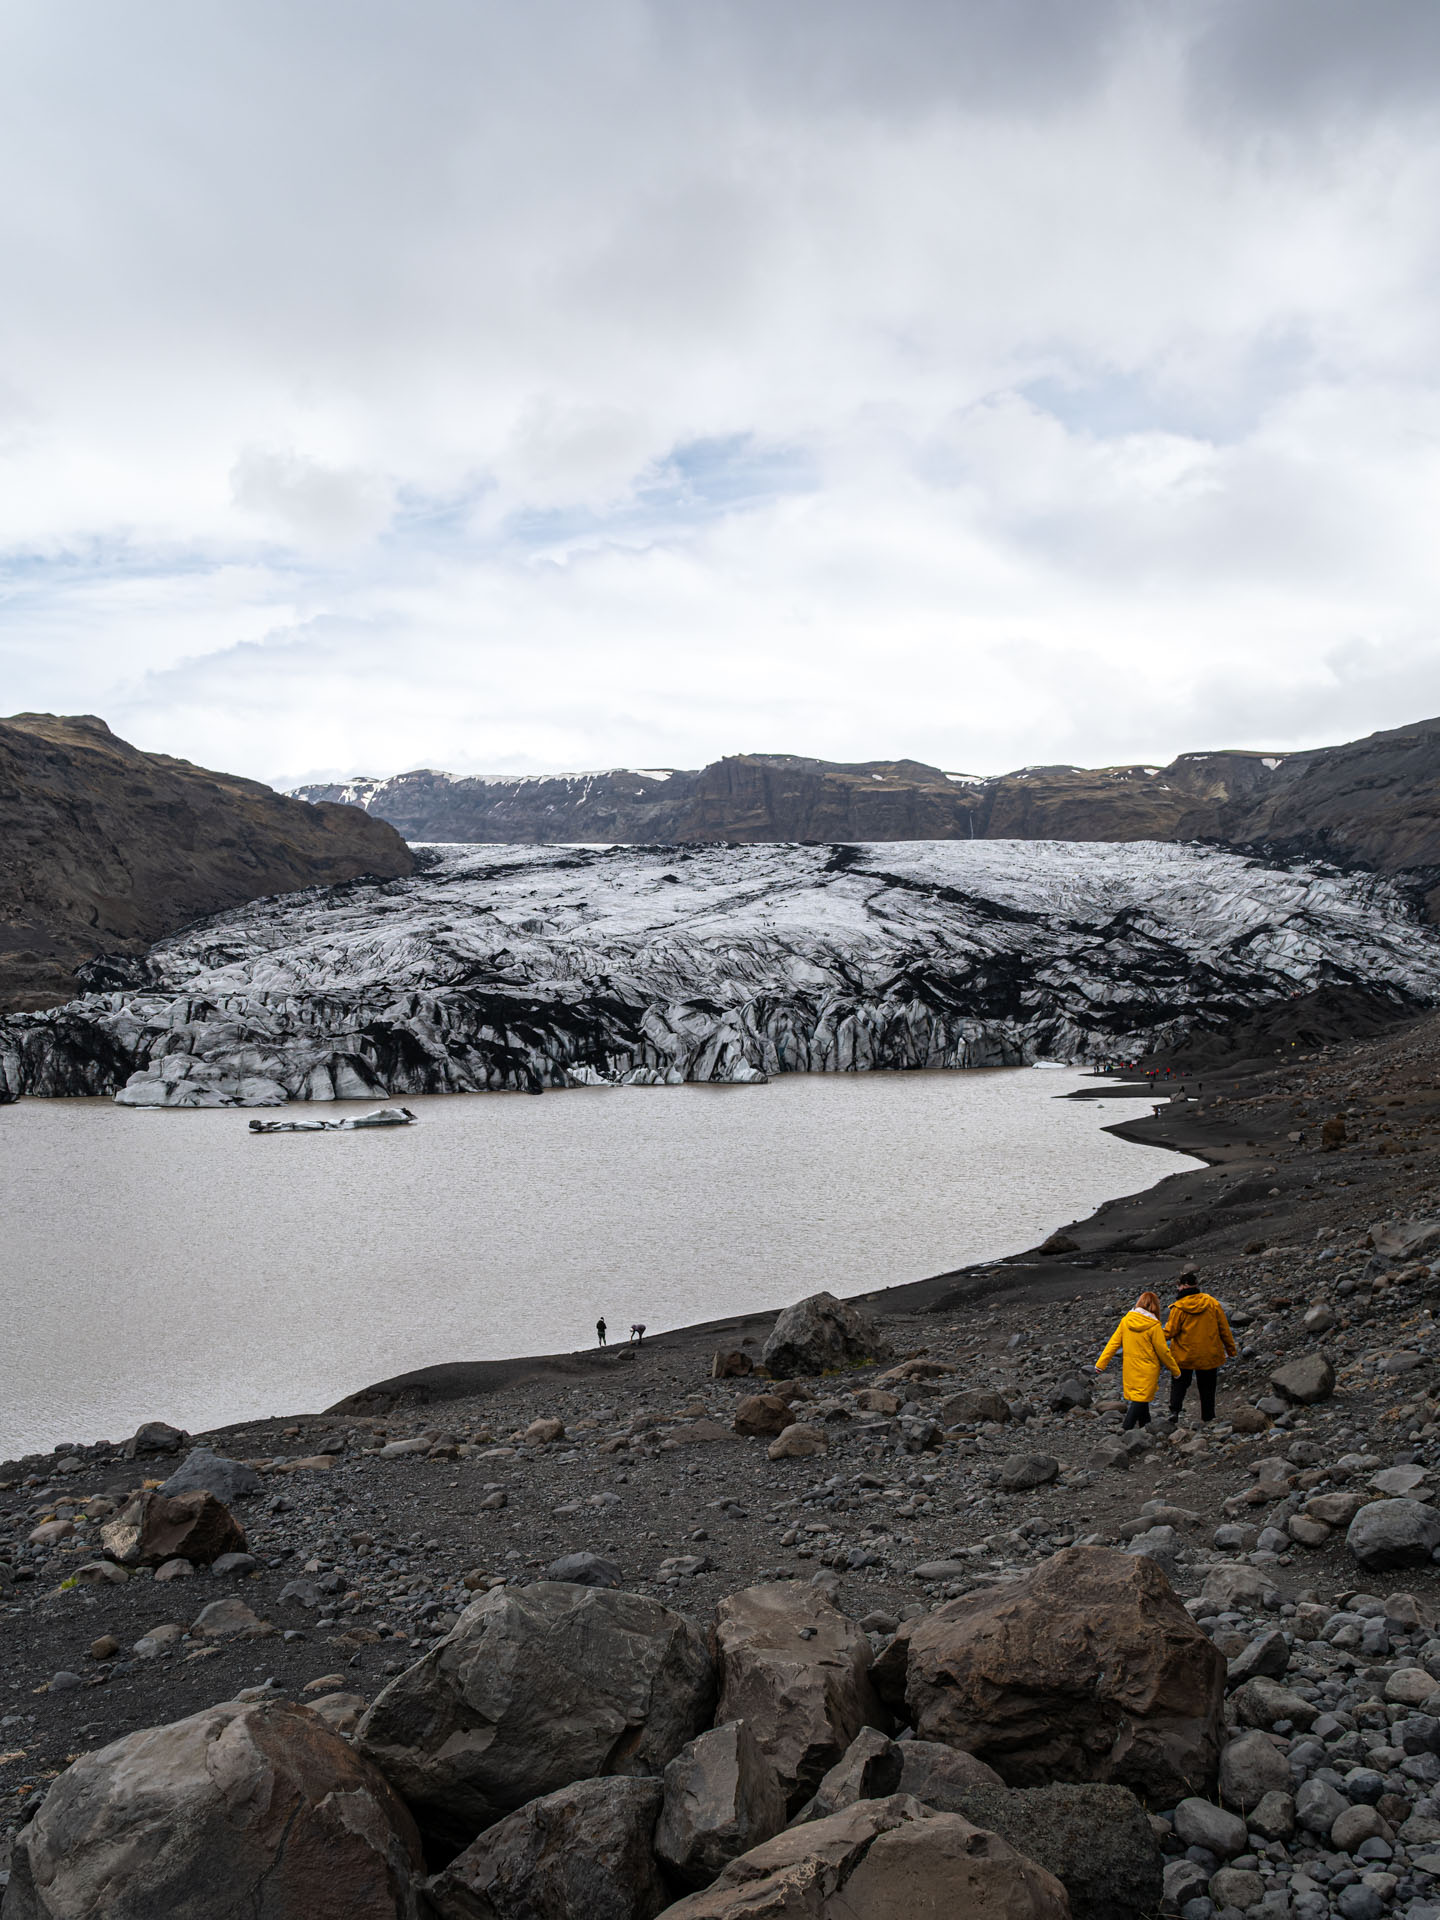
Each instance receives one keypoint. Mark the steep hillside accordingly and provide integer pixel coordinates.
(1374, 802)
(105, 849)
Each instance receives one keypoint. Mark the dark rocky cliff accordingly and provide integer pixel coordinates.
(104, 848)
(1374, 802)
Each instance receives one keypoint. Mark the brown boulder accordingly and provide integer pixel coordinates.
(760, 1416)
(584, 1850)
(803, 1699)
(1089, 1669)
(154, 1527)
(731, 1365)
(798, 1442)
(889, 1859)
(238, 1810)
(878, 1400)
(722, 1797)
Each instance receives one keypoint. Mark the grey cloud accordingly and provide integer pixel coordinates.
(742, 371)
(1296, 61)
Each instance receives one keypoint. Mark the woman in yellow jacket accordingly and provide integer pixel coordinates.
(1140, 1337)
(1201, 1340)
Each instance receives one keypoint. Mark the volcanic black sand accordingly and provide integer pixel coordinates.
(388, 1548)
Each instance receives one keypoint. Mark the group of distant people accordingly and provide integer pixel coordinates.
(1194, 1343)
(637, 1332)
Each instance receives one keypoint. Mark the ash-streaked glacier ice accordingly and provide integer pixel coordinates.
(509, 968)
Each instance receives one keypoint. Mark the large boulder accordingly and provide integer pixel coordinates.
(1306, 1380)
(722, 1797)
(1096, 1840)
(821, 1333)
(236, 1812)
(760, 1416)
(153, 1527)
(154, 1437)
(1394, 1533)
(584, 1850)
(1089, 1669)
(880, 1860)
(533, 1689)
(1405, 1239)
(228, 1480)
(804, 1698)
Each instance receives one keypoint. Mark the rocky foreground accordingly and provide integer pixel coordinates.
(832, 1615)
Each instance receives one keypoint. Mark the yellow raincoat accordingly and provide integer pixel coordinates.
(1145, 1352)
(1199, 1333)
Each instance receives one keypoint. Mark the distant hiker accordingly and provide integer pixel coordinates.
(1144, 1352)
(637, 1333)
(600, 1331)
(1201, 1341)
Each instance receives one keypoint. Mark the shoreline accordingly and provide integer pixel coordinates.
(1127, 1244)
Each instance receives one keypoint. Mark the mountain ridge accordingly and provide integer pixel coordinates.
(108, 848)
(1373, 802)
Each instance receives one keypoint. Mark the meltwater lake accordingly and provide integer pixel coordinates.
(170, 1265)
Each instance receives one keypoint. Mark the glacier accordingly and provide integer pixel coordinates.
(506, 968)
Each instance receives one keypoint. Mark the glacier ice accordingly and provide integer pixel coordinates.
(521, 968)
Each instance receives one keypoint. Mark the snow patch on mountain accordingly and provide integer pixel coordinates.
(505, 967)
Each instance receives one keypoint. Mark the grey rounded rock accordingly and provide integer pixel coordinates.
(1250, 1768)
(1200, 1823)
(1236, 1887)
(1318, 1806)
(1273, 1817)
(1357, 1824)
(1393, 1533)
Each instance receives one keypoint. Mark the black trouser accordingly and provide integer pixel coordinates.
(1204, 1380)
(1137, 1414)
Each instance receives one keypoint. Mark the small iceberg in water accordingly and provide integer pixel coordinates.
(385, 1117)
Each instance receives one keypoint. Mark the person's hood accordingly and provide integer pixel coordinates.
(1191, 1304)
(1137, 1319)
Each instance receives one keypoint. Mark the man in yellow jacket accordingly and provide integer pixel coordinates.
(1144, 1352)
(1201, 1340)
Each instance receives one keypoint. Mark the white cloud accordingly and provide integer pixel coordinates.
(497, 387)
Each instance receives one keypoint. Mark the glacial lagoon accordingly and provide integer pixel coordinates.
(170, 1265)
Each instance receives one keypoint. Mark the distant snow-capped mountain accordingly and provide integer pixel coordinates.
(508, 968)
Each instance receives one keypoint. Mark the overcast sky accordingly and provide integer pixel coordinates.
(552, 385)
